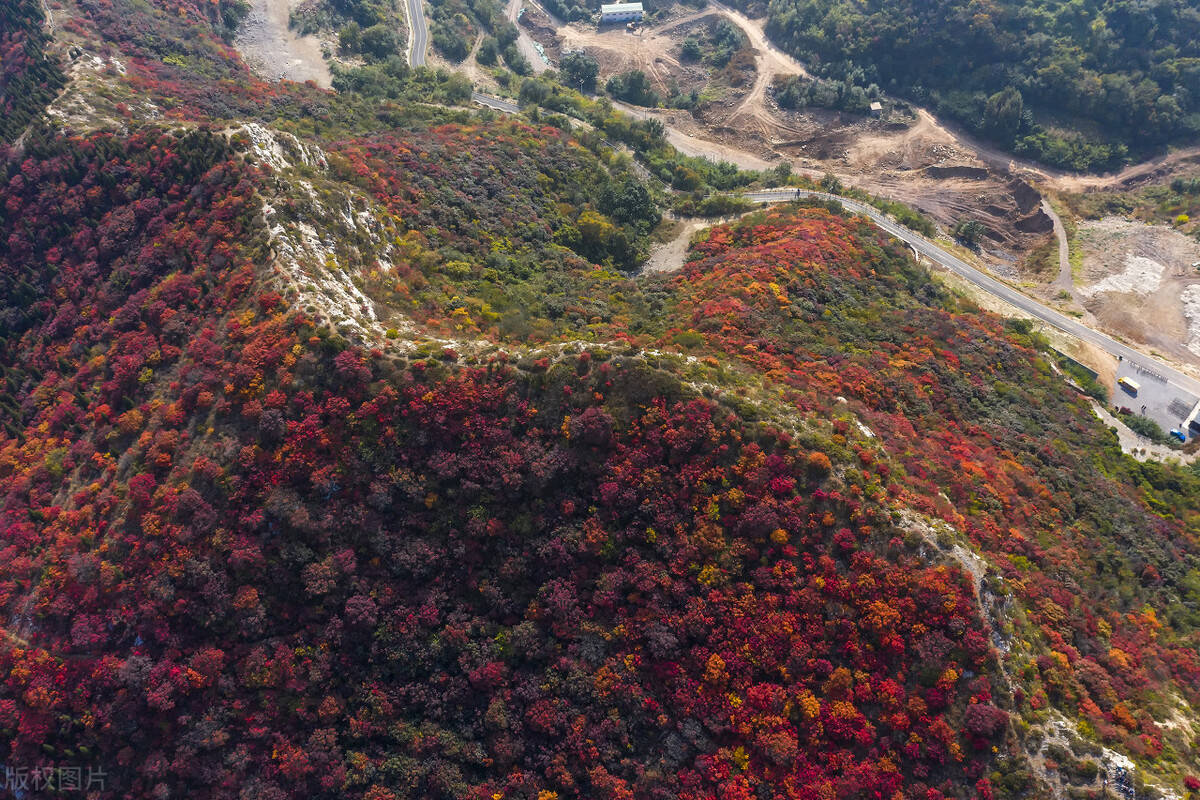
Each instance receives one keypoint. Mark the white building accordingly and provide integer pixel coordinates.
(620, 12)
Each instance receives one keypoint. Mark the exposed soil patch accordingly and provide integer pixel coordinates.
(669, 255)
(1037, 222)
(538, 26)
(275, 51)
(1141, 276)
(1190, 297)
(656, 52)
(1138, 281)
(942, 173)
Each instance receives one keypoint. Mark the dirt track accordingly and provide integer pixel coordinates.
(669, 256)
(1061, 180)
(524, 42)
(1065, 281)
(694, 145)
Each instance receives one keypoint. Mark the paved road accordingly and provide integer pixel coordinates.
(418, 40)
(418, 33)
(497, 103)
(989, 284)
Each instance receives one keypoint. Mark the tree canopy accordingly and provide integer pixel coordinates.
(1079, 84)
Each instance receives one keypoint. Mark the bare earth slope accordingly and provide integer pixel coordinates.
(275, 51)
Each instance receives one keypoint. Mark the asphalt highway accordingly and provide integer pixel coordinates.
(418, 33)
(497, 103)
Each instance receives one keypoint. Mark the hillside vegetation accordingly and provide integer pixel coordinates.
(29, 77)
(248, 554)
(1078, 84)
(344, 453)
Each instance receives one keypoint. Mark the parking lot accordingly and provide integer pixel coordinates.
(1156, 398)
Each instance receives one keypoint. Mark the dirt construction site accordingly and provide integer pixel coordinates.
(1141, 281)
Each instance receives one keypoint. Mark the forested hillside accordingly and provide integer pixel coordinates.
(29, 77)
(242, 554)
(345, 454)
(1074, 84)
(250, 558)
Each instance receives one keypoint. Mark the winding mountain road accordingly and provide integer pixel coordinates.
(418, 32)
(418, 38)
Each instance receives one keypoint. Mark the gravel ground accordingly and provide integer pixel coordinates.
(274, 51)
(1138, 281)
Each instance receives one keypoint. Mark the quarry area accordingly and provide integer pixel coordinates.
(1139, 280)
(902, 153)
